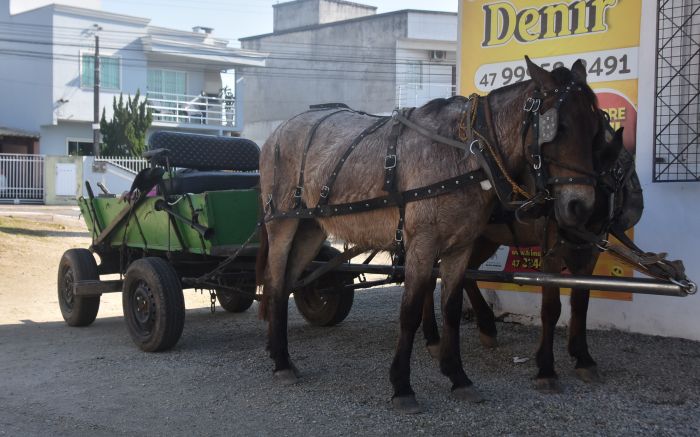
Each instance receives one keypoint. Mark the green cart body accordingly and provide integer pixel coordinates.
(189, 221)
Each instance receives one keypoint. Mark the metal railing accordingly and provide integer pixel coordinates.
(192, 110)
(132, 165)
(21, 178)
(418, 94)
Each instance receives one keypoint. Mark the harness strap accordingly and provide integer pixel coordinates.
(432, 190)
(300, 185)
(391, 183)
(326, 189)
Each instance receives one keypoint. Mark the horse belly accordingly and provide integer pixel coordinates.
(369, 230)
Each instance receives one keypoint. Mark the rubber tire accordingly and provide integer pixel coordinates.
(166, 304)
(81, 264)
(330, 309)
(234, 302)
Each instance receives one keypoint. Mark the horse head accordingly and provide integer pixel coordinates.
(618, 178)
(565, 129)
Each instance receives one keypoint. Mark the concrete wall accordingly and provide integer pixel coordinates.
(116, 39)
(300, 13)
(314, 70)
(26, 82)
(670, 224)
(53, 137)
(50, 195)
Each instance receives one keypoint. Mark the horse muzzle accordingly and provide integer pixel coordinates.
(574, 205)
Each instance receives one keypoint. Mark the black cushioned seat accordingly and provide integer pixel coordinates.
(193, 181)
(200, 156)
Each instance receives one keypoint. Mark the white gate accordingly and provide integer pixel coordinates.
(21, 178)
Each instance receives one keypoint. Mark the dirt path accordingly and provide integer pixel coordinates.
(57, 380)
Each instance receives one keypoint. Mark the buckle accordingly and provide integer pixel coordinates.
(325, 190)
(529, 102)
(298, 191)
(399, 235)
(389, 162)
(471, 147)
(536, 105)
(538, 164)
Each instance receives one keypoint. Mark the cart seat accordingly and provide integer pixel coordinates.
(205, 152)
(202, 160)
(195, 182)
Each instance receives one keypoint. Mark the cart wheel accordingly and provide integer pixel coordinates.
(154, 307)
(77, 265)
(235, 302)
(329, 308)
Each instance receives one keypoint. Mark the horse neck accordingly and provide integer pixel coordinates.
(507, 114)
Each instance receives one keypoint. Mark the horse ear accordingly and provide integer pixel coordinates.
(539, 74)
(579, 71)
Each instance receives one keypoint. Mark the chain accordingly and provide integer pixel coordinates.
(212, 296)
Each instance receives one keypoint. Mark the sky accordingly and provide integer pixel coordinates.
(233, 19)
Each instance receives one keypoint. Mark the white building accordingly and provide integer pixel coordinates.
(337, 51)
(46, 72)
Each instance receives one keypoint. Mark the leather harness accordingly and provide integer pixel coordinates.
(483, 143)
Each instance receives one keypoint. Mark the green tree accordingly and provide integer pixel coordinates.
(125, 133)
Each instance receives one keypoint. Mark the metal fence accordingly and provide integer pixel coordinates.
(21, 178)
(192, 109)
(677, 127)
(133, 165)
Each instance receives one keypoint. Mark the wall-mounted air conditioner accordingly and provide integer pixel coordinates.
(438, 55)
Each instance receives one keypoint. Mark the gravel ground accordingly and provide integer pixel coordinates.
(58, 380)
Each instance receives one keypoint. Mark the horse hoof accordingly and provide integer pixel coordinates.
(547, 385)
(434, 350)
(589, 374)
(468, 393)
(406, 404)
(487, 341)
(286, 376)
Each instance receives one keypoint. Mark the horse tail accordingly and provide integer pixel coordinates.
(260, 265)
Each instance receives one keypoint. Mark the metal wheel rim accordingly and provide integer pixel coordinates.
(67, 288)
(143, 308)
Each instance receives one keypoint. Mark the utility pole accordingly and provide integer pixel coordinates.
(96, 96)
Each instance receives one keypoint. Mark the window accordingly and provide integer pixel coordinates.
(677, 127)
(110, 73)
(167, 81)
(80, 147)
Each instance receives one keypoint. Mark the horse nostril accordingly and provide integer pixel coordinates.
(578, 210)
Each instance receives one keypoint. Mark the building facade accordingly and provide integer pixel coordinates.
(324, 51)
(47, 53)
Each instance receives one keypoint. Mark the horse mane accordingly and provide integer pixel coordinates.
(436, 105)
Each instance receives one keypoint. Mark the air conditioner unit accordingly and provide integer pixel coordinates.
(438, 55)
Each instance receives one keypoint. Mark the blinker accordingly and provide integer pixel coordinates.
(549, 121)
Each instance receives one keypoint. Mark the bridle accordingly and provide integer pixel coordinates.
(545, 127)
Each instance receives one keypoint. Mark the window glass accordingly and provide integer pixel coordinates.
(80, 148)
(109, 72)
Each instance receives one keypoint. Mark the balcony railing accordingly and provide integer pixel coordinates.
(418, 94)
(202, 110)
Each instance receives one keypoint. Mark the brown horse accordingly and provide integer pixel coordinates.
(580, 257)
(442, 227)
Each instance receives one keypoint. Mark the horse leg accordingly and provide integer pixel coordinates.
(280, 238)
(581, 263)
(485, 319)
(307, 240)
(452, 268)
(430, 328)
(418, 282)
(551, 310)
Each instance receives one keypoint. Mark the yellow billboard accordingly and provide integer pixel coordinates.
(494, 37)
